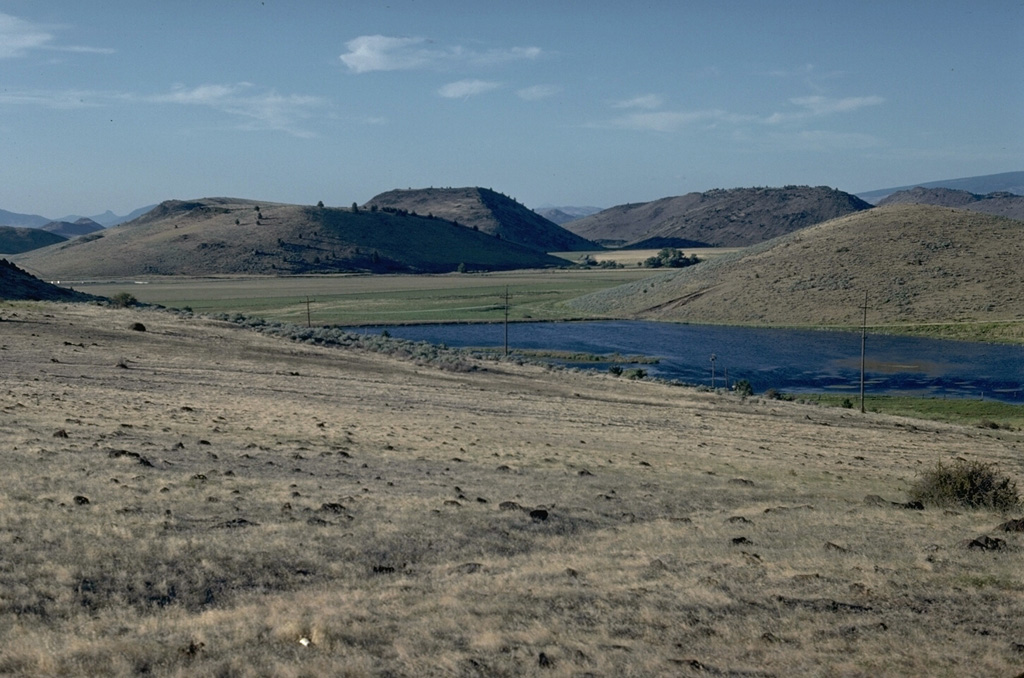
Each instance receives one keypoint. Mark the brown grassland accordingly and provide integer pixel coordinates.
(198, 499)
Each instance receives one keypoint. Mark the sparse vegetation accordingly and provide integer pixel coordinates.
(123, 300)
(969, 484)
(234, 505)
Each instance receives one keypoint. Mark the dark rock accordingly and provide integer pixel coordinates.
(138, 327)
(912, 505)
(538, 515)
(60, 434)
(332, 507)
(80, 500)
(236, 522)
(544, 661)
(739, 519)
(741, 540)
(986, 543)
(1015, 525)
(467, 568)
(509, 506)
(741, 481)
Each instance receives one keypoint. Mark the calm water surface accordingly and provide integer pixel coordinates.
(794, 361)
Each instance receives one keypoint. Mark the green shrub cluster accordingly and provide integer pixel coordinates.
(970, 484)
(670, 257)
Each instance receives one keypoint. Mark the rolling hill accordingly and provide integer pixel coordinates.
(917, 263)
(1002, 203)
(221, 236)
(719, 218)
(488, 211)
(1010, 182)
(16, 284)
(72, 229)
(15, 239)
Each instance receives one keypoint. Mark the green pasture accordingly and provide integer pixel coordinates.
(990, 414)
(377, 299)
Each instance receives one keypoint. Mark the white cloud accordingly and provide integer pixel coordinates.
(466, 88)
(259, 111)
(382, 53)
(538, 92)
(647, 101)
(816, 106)
(672, 121)
(368, 53)
(18, 37)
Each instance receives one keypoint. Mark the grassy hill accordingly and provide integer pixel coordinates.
(223, 236)
(917, 263)
(488, 211)
(17, 239)
(734, 217)
(1001, 203)
(17, 284)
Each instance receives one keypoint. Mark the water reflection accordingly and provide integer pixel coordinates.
(793, 361)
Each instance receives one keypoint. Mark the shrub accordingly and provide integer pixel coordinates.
(972, 484)
(615, 370)
(123, 300)
(636, 373)
(743, 388)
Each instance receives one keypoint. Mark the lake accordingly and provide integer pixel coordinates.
(792, 361)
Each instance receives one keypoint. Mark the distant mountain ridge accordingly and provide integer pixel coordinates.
(486, 210)
(735, 217)
(1010, 182)
(563, 215)
(1002, 203)
(66, 229)
(223, 236)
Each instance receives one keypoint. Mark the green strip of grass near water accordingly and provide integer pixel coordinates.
(991, 414)
(381, 300)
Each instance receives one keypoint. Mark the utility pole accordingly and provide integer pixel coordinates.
(863, 345)
(713, 358)
(506, 320)
(309, 321)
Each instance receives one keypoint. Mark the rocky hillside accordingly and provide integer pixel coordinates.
(16, 239)
(223, 236)
(917, 264)
(719, 218)
(16, 284)
(1001, 203)
(487, 211)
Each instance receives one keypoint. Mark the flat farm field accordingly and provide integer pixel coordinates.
(183, 497)
(376, 299)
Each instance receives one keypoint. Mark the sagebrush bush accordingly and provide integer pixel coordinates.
(123, 300)
(972, 484)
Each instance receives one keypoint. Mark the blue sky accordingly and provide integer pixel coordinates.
(115, 105)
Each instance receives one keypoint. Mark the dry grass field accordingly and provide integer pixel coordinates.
(193, 498)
